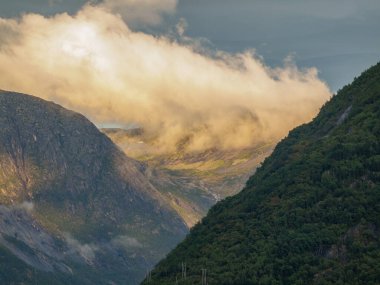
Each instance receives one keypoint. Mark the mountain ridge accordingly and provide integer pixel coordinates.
(75, 208)
(309, 215)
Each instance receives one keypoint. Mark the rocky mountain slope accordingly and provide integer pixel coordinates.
(191, 182)
(74, 209)
(310, 214)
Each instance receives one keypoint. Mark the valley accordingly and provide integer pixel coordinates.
(174, 142)
(192, 182)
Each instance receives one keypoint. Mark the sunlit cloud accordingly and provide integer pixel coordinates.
(94, 63)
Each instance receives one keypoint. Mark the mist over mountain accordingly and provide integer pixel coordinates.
(310, 214)
(157, 145)
(96, 64)
(74, 209)
(191, 182)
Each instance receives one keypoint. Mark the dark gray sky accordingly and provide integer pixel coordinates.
(339, 37)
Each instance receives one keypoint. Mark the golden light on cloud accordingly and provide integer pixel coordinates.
(93, 63)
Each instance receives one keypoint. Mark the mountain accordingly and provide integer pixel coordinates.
(310, 214)
(74, 208)
(191, 182)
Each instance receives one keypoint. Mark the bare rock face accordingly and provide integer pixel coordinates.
(94, 208)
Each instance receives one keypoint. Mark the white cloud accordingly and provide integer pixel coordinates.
(93, 63)
(86, 251)
(27, 206)
(126, 242)
(181, 26)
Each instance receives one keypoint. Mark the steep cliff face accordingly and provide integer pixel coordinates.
(82, 193)
(309, 215)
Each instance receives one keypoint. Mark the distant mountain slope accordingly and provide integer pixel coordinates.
(191, 181)
(73, 207)
(310, 214)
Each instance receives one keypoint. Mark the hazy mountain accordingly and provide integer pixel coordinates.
(74, 209)
(191, 182)
(310, 214)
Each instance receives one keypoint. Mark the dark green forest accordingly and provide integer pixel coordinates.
(310, 214)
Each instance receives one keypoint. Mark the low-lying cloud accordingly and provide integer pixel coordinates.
(75, 247)
(126, 242)
(94, 63)
(28, 206)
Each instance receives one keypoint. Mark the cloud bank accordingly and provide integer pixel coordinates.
(94, 63)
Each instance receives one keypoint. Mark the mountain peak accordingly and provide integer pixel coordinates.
(83, 193)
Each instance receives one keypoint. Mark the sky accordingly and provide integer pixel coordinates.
(339, 37)
(202, 74)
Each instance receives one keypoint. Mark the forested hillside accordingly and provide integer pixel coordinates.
(310, 214)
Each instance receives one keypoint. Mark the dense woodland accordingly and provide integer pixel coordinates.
(310, 214)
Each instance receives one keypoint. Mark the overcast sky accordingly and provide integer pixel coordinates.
(339, 37)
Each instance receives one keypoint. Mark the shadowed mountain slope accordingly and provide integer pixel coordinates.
(74, 208)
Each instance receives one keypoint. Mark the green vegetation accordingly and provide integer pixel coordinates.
(310, 214)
